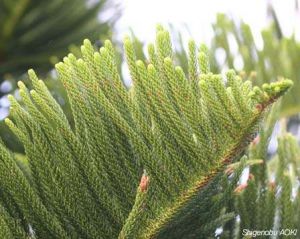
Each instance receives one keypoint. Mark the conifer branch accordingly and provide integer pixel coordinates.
(183, 131)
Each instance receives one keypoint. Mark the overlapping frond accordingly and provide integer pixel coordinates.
(35, 33)
(176, 132)
(270, 197)
(278, 56)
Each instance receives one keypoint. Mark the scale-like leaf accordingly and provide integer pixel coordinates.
(175, 132)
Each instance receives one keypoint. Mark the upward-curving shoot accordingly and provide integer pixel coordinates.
(143, 162)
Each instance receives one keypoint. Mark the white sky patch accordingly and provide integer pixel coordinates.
(244, 176)
(143, 15)
(272, 148)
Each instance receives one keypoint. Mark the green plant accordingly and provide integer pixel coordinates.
(36, 34)
(146, 162)
(269, 199)
(35, 31)
(278, 56)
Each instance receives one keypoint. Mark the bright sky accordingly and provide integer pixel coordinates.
(143, 15)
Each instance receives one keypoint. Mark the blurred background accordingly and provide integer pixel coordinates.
(195, 17)
(260, 38)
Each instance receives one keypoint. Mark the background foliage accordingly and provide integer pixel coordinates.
(37, 34)
(33, 31)
(165, 200)
(160, 130)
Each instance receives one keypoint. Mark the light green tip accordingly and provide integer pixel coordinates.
(97, 56)
(126, 39)
(151, 47)
(21, 84)
(21, 91)
(230, 72)
(33, 92)
(151, 68)
(71, 56)
(80, 61)
(87, 42)
(7, 121)
(107, 43)
(168, 60)
(10, 97)
(66, 59)
(203, 48)
(266, 86)
(82, 48)
(159, 28)
(178, 69)
(160, 35)
(103, 50)
(59, 64)
(31, 72)
(192, 44)
(202, 83)
(277, 89)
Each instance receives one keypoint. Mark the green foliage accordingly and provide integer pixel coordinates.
(175, 132)
(34, 31)
(270, 198)
(36, 34)
(264, 201)
(278, 56)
